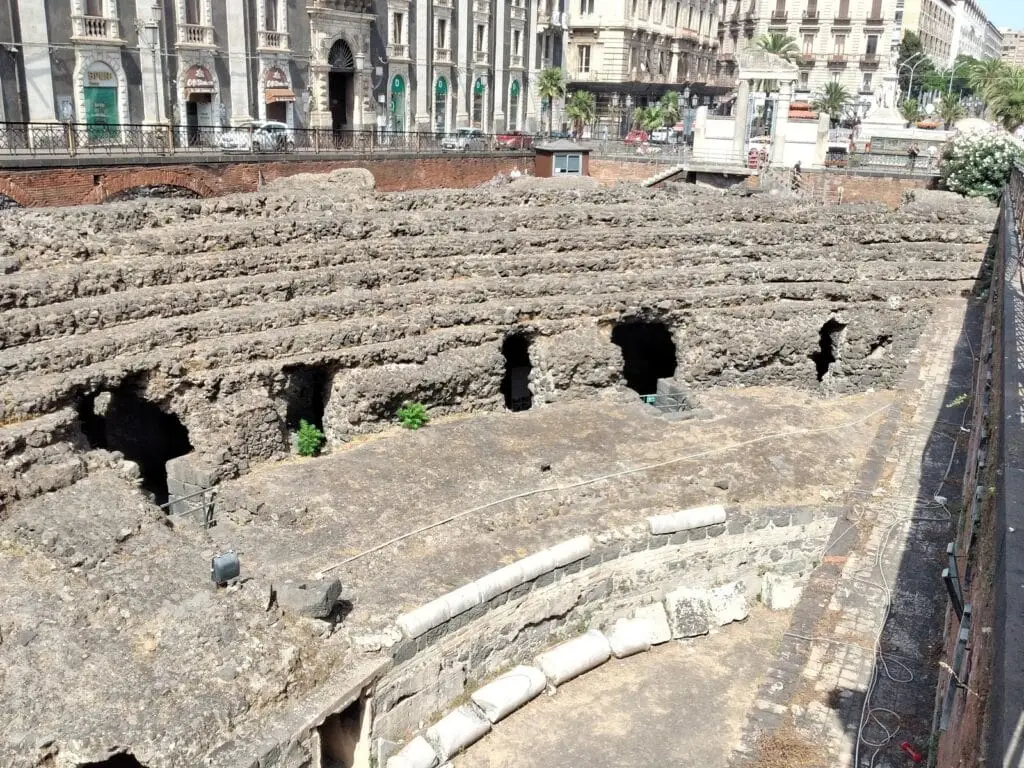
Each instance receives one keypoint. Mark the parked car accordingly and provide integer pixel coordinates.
(664, 136)
(636, 136)
(258, 136)
(514, 140)
(465, 139)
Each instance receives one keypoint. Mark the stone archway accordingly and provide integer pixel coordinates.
(101, 95)
(756, 65)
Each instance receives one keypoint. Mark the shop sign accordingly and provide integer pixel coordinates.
(198, 78)
(99, 75)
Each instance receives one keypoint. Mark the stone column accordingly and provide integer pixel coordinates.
(501, 62)
(781, 122)
(151, 66)
(35, 51)
(531, 55)
(424, 55)
(238, 64)
(464, 65)
(739, 136)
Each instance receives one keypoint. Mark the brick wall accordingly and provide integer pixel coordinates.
(872, 188)
(612, 171)
(75, 186)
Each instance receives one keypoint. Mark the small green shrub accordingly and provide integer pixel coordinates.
(310, 439)
(413, 415)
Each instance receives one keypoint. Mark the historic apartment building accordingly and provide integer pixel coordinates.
(934, 21)
(1013, 47)
(844, 41)
(631, 52)
(973, 34)
(338, 64)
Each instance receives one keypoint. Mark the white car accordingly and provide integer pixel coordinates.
(465, 139)
(664, 136)
(258, 136)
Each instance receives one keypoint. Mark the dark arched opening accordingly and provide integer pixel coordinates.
(648, 354)
(515, 384)
(829, 339)
(158, 191)
(120, 760)
(341, 85)
(306, 390)
(121, 420)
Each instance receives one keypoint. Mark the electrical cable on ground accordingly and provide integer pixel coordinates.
(590, 481)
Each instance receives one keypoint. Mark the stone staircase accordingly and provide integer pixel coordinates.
(665, 175)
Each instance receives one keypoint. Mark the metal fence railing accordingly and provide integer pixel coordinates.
(923, 165)
(75, 139)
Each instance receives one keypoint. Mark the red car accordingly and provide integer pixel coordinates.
(637, 136)
(514, 140)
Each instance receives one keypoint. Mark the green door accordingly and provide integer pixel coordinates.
(101, 112)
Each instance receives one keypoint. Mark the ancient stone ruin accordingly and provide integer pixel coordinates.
(155, 349)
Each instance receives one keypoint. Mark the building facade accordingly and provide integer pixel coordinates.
(993, 41)
(1013, 47)
(204, 65)
(843, 41)
(934, 21)
(629, 53)
(971, 31)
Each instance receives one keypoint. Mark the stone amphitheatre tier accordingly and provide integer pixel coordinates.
(228, 315)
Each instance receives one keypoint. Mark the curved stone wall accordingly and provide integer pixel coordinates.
(203, 307)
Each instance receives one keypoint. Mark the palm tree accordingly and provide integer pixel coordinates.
(950, 109)
(649, 118)
(669, 104)
(780, 45)
(551, 86)
(911, 111)
(1008, 99)
(833, 101)
(581, 110)
(984, 77)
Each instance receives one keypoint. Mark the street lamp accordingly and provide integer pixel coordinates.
(910, 85)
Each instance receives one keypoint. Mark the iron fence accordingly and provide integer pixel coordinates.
(80, 139)
(923, 165)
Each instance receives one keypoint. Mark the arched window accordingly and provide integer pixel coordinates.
(397, 103)
(513, 106)
(478, 104)
(441, 105)
(340, 58)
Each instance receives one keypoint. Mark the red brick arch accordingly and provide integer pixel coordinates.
(18, 194)
(203, 184)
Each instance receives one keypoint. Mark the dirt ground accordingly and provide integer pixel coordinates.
(682, 704)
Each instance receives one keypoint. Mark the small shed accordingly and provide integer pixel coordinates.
(561, 158)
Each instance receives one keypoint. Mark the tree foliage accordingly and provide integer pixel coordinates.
(833, 101)
(551, 86)
(581, 110)
(978, 165)
(950, 109)
(1007, 99)
(911, 111)
(918, 67)
(780, 45)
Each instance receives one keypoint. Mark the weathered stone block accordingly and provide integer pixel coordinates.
(779, 592)
(688, 612)
(312, 599)
(727, 604)
(656, 620)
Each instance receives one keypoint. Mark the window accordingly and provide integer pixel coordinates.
(661, 19)
(650, 9)
(480, 29)
(270, 15)
(872, 45)
(513, 106)
(583, 53)
(396, 28)
(866, 85)
(517, 42)
(834, 77)
(634, 55)
(193, 13)
(689, 19)
(586, 7)
(876, 9)
(633, 11)
(675, 23)
(808, 44)
(547, 47)
(568, 163)
(442, 34)
(94, 8)
(805, 81)
(840, 45)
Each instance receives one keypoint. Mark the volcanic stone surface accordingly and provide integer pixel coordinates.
(201, 331)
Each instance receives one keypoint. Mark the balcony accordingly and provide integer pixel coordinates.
(779, 17)
(95, 29)
(449, 4)
(515, 62)
(195, 36)
(442, 55)
(270, 40)
(811, 19)
(874, 21)
(842, 21)
(726, 57)
(517, 13)
(398, 51)
(481, 57)
(869, 61)
(838, 59)
(805, 59)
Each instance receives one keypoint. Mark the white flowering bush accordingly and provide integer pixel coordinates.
(978, 165)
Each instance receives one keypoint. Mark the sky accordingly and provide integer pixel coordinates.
(1005, 13)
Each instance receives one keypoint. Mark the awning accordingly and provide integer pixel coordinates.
(275, 95)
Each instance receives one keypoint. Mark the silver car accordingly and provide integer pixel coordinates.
(258, 136)
(465, 139)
